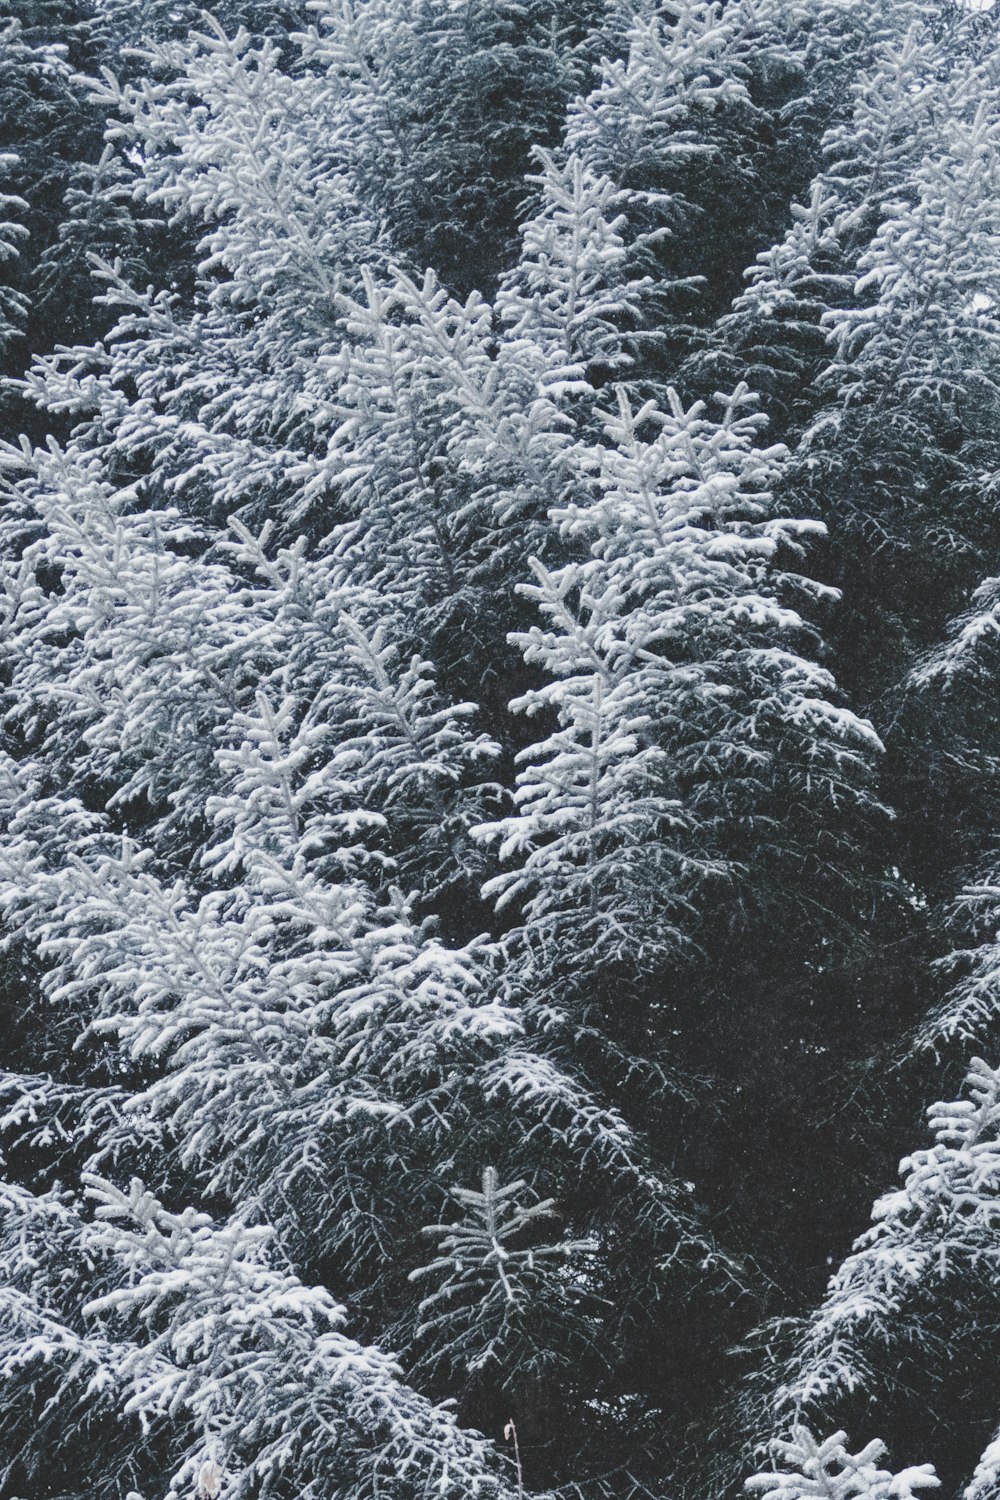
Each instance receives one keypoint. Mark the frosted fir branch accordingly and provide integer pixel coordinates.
(827, 1470)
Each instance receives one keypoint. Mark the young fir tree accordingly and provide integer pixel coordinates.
(47, 127)
(167, 1354)
(657, 675)
(881, 292)
(924, 350)
(951, 696)
(882, 234)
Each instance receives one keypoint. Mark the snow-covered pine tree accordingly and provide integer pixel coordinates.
(683, 711)
(498, 1295)
(709, 105)
(898, 461)
(460, 419)
(158, 1352)
(14, 303)
(952, 699)
(259, 166)
(774, 334)
(693, 750)
(912, 1312)
(567, 313)
(893, 264)
(925, 350)
(46, 129)
(428, 441)
(570, 303)
(599, 843)
(261, 1018)
(452, 99)
(288, 384)
(122, 29)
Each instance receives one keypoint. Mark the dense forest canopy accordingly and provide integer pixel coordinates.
(499, 749)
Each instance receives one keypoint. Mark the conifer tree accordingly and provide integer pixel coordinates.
(666, 654)
(703, 110)
(46, 128)
(215, 1364)
(777, 323)
(872, 294)
(569, 300)
(227, 935)
(515, 1290)
(453, 100)
(911, 1311)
